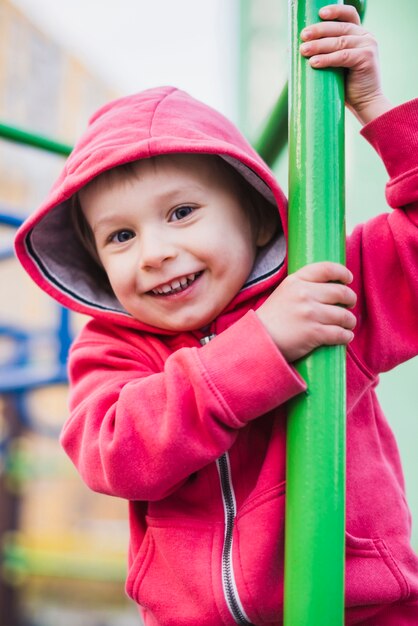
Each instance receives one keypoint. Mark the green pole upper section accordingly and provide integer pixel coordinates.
(30, 139)
(315, 501)
(274, 135)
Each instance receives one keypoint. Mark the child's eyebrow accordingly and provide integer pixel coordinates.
(105, 222)
(178, 192)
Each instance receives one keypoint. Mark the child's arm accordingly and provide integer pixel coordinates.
(142, 423)
(383, 253)
(345, 43)
(305, 311)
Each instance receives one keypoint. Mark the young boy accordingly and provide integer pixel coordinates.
(169, 230)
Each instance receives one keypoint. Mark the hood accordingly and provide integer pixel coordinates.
(156, 121)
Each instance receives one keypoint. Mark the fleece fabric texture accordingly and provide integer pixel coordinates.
(152, 411)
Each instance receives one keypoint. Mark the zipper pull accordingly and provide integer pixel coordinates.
(206, 339)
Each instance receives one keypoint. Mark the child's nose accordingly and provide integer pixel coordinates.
(155, 249)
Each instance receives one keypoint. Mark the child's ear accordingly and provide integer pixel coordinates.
(264, 235)
(268, 224)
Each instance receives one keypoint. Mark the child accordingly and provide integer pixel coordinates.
(169, 231)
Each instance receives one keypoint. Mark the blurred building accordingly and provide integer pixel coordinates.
(43, 89)
(59, 540)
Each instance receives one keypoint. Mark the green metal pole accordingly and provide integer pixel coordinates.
(30, 139)
(314, 544)
(273, 137)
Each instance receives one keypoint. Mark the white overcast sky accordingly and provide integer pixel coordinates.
(135, 44)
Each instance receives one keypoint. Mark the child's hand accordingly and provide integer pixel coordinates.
(303, 313)
(345, 43)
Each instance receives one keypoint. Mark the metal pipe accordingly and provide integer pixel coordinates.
(18, 135)
(273, 137)
(315, 503)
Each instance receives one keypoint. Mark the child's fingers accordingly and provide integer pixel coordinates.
(325, 271)
(332, 29)
(335, 293)
(331, 335)
(341, 42)
(334, 44)
(353, 57)
(341, 12)
(331, 315)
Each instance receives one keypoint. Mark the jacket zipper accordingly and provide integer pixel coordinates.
(230, 510)
(228, 579)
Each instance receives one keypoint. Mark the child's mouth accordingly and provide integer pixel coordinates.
(175, 286)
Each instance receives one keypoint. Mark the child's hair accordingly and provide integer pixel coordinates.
(262, 214)
(86, 237)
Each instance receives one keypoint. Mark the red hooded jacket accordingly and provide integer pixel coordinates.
(194, 435)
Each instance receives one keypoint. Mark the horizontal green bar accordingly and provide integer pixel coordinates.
(36, 141)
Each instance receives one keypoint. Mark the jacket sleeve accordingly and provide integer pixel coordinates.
(138, 433)
(383, 253)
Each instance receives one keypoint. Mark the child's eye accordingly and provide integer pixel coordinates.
(181, 212)
(121, 236)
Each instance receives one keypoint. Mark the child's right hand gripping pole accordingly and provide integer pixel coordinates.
(315, 501)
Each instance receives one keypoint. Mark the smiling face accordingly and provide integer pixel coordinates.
(175, 240)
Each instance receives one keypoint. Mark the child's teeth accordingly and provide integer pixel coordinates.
(176, 285)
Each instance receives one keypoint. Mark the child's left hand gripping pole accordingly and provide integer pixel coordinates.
(315, 501)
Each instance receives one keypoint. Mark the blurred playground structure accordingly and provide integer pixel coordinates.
(59, 542)
(63, 548)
